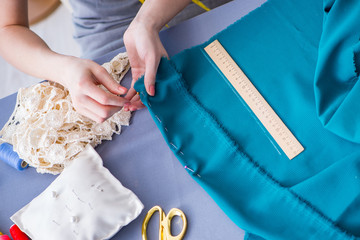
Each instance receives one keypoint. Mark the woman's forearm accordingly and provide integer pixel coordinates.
(29, 53)
(23, 48)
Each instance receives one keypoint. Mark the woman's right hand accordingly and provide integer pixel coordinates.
(144, 48)
(82, 78)
(143, 44)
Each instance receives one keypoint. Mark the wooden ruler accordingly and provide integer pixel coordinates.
(263, 111)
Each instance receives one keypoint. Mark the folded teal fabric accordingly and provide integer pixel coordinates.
(337, 90)
(302, 56)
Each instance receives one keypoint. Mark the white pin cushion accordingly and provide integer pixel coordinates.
(85, 202)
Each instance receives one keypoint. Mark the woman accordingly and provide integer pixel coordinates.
(29, 53)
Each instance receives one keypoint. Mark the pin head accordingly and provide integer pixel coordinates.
(74, 219)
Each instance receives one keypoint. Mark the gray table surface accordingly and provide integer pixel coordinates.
(139, 156)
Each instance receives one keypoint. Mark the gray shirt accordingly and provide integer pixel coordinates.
(100, 24)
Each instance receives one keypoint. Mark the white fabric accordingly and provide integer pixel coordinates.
(85, 202)
(47, 132)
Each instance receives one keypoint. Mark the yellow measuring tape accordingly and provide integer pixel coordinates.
(200, 4)
(197, 2)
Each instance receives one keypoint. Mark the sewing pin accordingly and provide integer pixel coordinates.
(55, 222)
(173, 145)
(158, 118)
(90, 206)
(66, 206)
(54, 194)
(74, 219)
(186, 167)
(74, 192)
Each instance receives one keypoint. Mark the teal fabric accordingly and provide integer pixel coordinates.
(302, 56)
(336, 80)
(249, 236)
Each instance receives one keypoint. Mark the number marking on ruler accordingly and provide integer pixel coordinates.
(263, 111)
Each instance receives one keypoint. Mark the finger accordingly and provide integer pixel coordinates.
(102, 97)
(136, 103)
(134, 106)
(130, 94)
(135, 98)
(150, 72)
(100, 112)
(164, 53)
(136, 64)
(104, 78)
(89, 114)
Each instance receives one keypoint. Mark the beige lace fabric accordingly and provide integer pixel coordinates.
(47, 132)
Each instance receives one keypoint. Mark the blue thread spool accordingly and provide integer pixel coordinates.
(10, 157)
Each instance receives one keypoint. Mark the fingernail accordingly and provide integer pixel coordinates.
(122, 90)
(132, 108)
(152, 90)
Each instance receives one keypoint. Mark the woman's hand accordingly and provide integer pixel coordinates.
(145, 50)
(143, 44)
(82, 78)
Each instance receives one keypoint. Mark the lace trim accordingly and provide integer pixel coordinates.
(47, 132)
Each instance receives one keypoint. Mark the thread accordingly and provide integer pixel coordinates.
(10, 157)
(17, 234)
(4, 237)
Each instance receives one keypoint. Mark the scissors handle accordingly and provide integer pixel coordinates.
(147, 219)
(165, 223)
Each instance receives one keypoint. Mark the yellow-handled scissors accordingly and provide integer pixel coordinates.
(165, 223)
